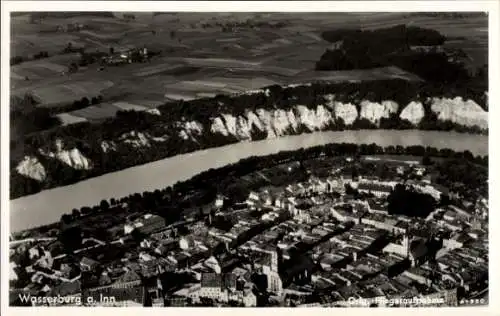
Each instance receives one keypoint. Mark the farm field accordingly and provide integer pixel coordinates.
(357, 75)
(64, 93)
(97, 112)
(67, 119)
(41, 69)
(197, 56)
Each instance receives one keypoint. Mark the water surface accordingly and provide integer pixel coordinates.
(47, 206)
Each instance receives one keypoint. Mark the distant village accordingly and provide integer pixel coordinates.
(125, 56)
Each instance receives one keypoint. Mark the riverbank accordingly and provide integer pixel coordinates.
(47, 206)
(76, 152)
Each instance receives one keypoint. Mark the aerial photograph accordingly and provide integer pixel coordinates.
(248, 159)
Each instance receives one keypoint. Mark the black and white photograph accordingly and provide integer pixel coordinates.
(174, 158)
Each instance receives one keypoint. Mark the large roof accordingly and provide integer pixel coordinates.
(374, 187)
(211, 280)
(89, 262)
(129, 277)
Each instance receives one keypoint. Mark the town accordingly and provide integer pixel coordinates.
(248, 159)
(372, 230)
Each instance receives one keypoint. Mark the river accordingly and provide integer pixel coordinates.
(47, 206)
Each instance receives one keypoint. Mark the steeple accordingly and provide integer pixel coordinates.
(406, 245)
(159, 286)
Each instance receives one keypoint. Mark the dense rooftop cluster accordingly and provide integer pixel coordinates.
(315, 231)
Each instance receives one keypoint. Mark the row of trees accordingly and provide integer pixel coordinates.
(76, 105)
(15, 60)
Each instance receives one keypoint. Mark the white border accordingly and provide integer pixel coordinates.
(491, 6)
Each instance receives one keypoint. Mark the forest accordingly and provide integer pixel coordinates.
(404, 201)
(393, 46)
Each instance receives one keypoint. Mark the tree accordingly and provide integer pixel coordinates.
(426, 160)
(111, 50)
(66, 219)
(16, 60)
(73, 67)
(75, 213)
(85, 210)
(84, 102)
(104, 205)
(137, 235)
(71, 238)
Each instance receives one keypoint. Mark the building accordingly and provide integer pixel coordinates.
(219, 202)
(213, 265)
(151, 223)
(35, 252)
(211, 286)
(46, 260)
(248, 298)
(127, 290)
(191, 292)
(302, 216)
(355, 215)
(87, 264)
(334, 185)
(219, 287)
(70, 291)
(399, 248)
(379, 189)
(166, 246)
(418, 252)
(269, 256)
(428, 189)
(12, 272)
(155, 293)
(274, 283)
(147, 224)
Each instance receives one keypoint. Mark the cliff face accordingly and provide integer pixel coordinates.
(279, 122)
(346, 111)
(467, 113)
(108, 146)
(139, 139)
(414, 113)
(71, 157)
(190, 130)
(373, 111)
(32, 168)
(270, 123)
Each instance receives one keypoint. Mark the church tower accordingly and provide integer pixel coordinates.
(406, 245)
